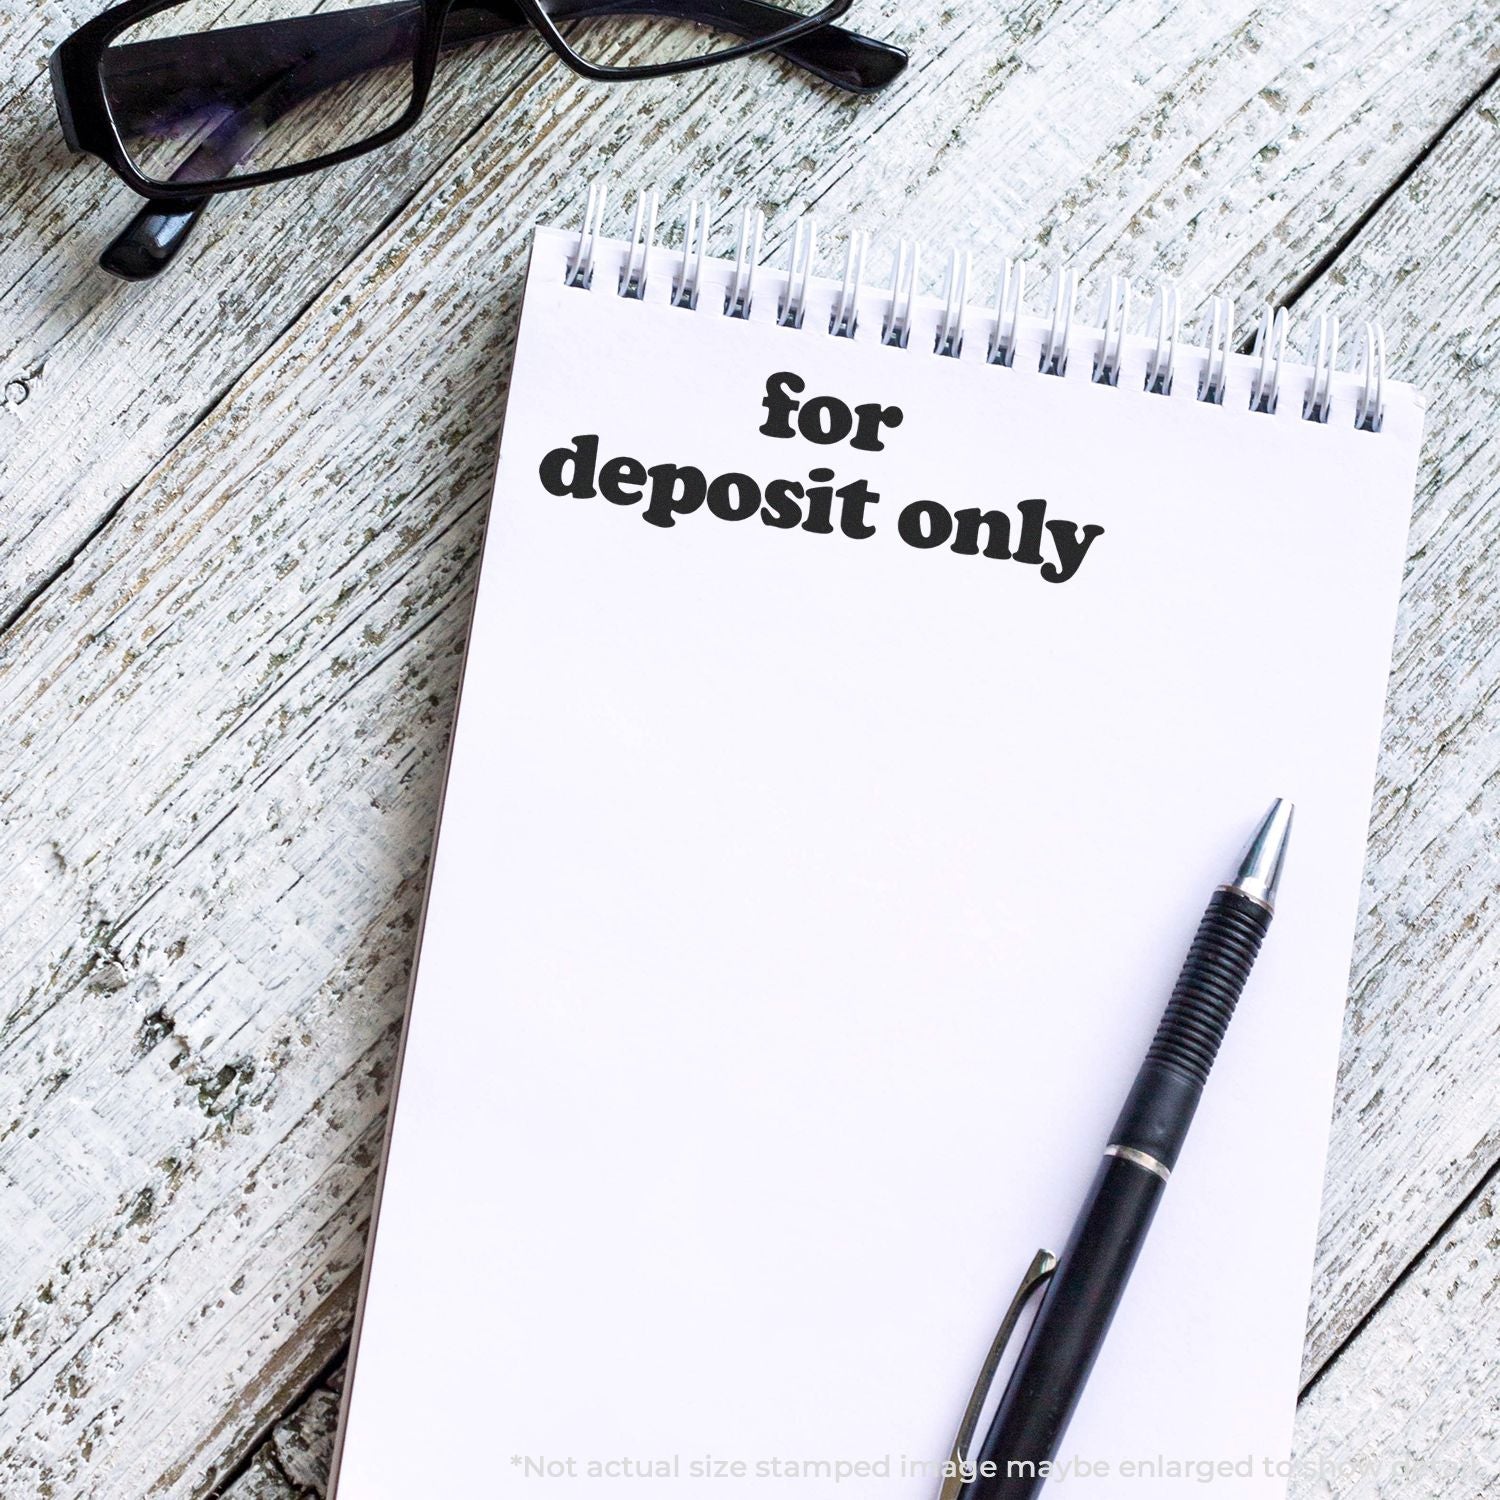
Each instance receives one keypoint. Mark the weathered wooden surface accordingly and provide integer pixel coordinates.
(1410, 1407)
(240, 512)
(1417, 1120)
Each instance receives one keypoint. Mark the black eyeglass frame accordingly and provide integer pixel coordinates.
(77, 75)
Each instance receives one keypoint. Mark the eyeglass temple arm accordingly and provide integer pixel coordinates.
(159, 229)
(149, 242)
(843, 58)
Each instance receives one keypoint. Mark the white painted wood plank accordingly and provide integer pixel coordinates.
(1232, 142)
(1418, 1113)
(294, 1459)
(1413, 1407)
(230, 716)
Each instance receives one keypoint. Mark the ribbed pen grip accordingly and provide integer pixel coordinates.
(1209, 986)
(1170, 1082)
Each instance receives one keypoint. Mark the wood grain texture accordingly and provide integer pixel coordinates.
(253, 495)
(1229, 141)
(1417, 1120)
(294, 1460)
(1409, 1409)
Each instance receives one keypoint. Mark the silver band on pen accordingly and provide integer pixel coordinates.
(1140, 1159)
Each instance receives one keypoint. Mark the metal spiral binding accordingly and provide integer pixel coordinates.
(1213, 356)
(1270, 345)
(1055, 346)
(950, 334)
(897, 327)
(686, 284)
(1002, 350)
(843, 321)
(793, 306)
(746, 258)
(1114, 318)
(1369, 357)
(1218, 339)
(1326, 334)
(581, 267)
(642, 237)
(1166, 318)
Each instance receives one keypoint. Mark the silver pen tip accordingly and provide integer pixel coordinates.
(1260, 870)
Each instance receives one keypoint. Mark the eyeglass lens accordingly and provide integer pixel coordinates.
(215, 89)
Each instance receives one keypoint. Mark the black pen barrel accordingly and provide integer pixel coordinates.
(1080, 1302)
(1065, 1338)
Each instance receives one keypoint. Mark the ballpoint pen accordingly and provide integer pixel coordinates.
(1084, 1285)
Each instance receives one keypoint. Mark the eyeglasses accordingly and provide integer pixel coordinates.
(188, 98)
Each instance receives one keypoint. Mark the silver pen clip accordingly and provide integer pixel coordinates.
(959, 1474)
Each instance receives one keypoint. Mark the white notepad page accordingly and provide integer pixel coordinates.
(804, 904)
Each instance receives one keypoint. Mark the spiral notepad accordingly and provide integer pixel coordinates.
(864, 688)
